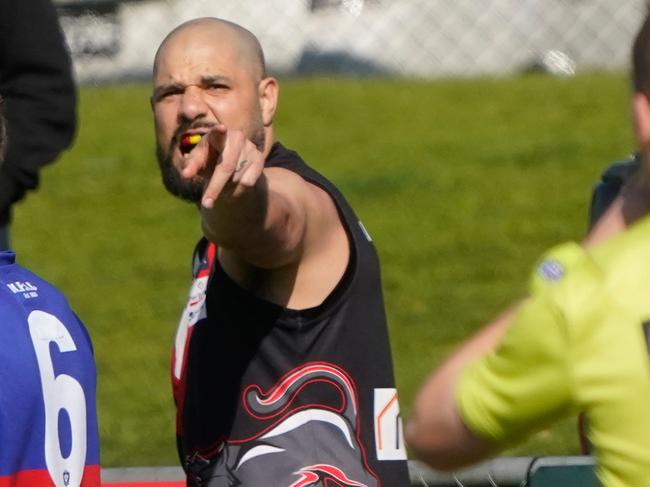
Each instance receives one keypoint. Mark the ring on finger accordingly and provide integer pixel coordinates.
(241, 164)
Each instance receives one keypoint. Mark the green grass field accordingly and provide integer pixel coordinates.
(462, 184)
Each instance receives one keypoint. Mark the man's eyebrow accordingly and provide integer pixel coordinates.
(205, 81)
(161, 89)
(215, 78)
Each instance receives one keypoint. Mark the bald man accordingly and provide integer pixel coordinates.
(282, 371)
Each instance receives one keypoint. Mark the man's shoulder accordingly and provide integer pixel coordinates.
(25, 292)
(560, 267)
(281, 156)
(582, 284)
(19, 279)
(570, 283)
(618, 172)
(284, 158)
(622, 258)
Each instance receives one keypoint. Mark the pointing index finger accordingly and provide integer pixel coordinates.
(227, 164)
(205, 152)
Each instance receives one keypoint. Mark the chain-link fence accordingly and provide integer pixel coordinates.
(113, 39)
(500, 472)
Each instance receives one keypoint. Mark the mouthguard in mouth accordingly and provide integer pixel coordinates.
(189, 141)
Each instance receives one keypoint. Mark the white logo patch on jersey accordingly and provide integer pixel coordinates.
(389, 433)
(27, 289)
(193, 312)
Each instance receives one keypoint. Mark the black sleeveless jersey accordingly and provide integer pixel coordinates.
(270, 396)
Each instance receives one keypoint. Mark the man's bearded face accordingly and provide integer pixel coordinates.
(191, 189)
(196, 87)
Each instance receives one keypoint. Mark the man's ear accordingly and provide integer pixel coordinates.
(641, 113)
(268, 90)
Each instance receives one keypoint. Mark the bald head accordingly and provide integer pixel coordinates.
(220, 35)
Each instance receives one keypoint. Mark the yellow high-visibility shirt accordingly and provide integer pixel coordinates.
(579, 343)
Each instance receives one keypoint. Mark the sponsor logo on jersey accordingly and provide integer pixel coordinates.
(389, 433)
(194, 310)
(27, 289)
(551, 270)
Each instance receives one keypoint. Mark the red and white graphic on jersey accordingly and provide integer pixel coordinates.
(193, 312)
(325, 475)
(308, 443)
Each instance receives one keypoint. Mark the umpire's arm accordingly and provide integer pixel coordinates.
(435, 430)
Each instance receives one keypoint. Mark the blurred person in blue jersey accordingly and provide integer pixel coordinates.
(48, 420)
(40, 98)
(579, 343)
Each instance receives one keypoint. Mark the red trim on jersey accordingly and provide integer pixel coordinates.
(211, 253)
(273, 414)
(278, 391)
(159, 483)
(329, 474)
(41, 478)
(178, 385)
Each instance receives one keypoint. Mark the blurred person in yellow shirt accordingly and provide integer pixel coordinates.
(579, 342)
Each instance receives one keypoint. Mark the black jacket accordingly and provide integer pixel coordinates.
(610, 184)
(40, 98)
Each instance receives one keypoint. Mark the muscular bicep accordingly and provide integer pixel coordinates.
(282, 234)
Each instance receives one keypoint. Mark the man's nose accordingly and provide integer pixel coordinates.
(193, 104)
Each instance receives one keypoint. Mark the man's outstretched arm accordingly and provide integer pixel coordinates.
(269, 217)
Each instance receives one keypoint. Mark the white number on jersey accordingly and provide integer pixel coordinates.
(60, 392)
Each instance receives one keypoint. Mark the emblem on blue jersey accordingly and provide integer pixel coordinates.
(27, 289)
(551, 270)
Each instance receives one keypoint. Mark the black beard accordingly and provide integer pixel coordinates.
(258, 138)
(187, 189)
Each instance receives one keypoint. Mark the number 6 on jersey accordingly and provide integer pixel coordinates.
(60, 393)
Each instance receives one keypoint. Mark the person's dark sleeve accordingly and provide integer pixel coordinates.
(40, 95)
(609, 186)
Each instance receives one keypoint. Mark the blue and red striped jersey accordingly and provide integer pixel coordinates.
(48, 420)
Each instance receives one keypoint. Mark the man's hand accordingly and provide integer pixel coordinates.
(224, 157)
